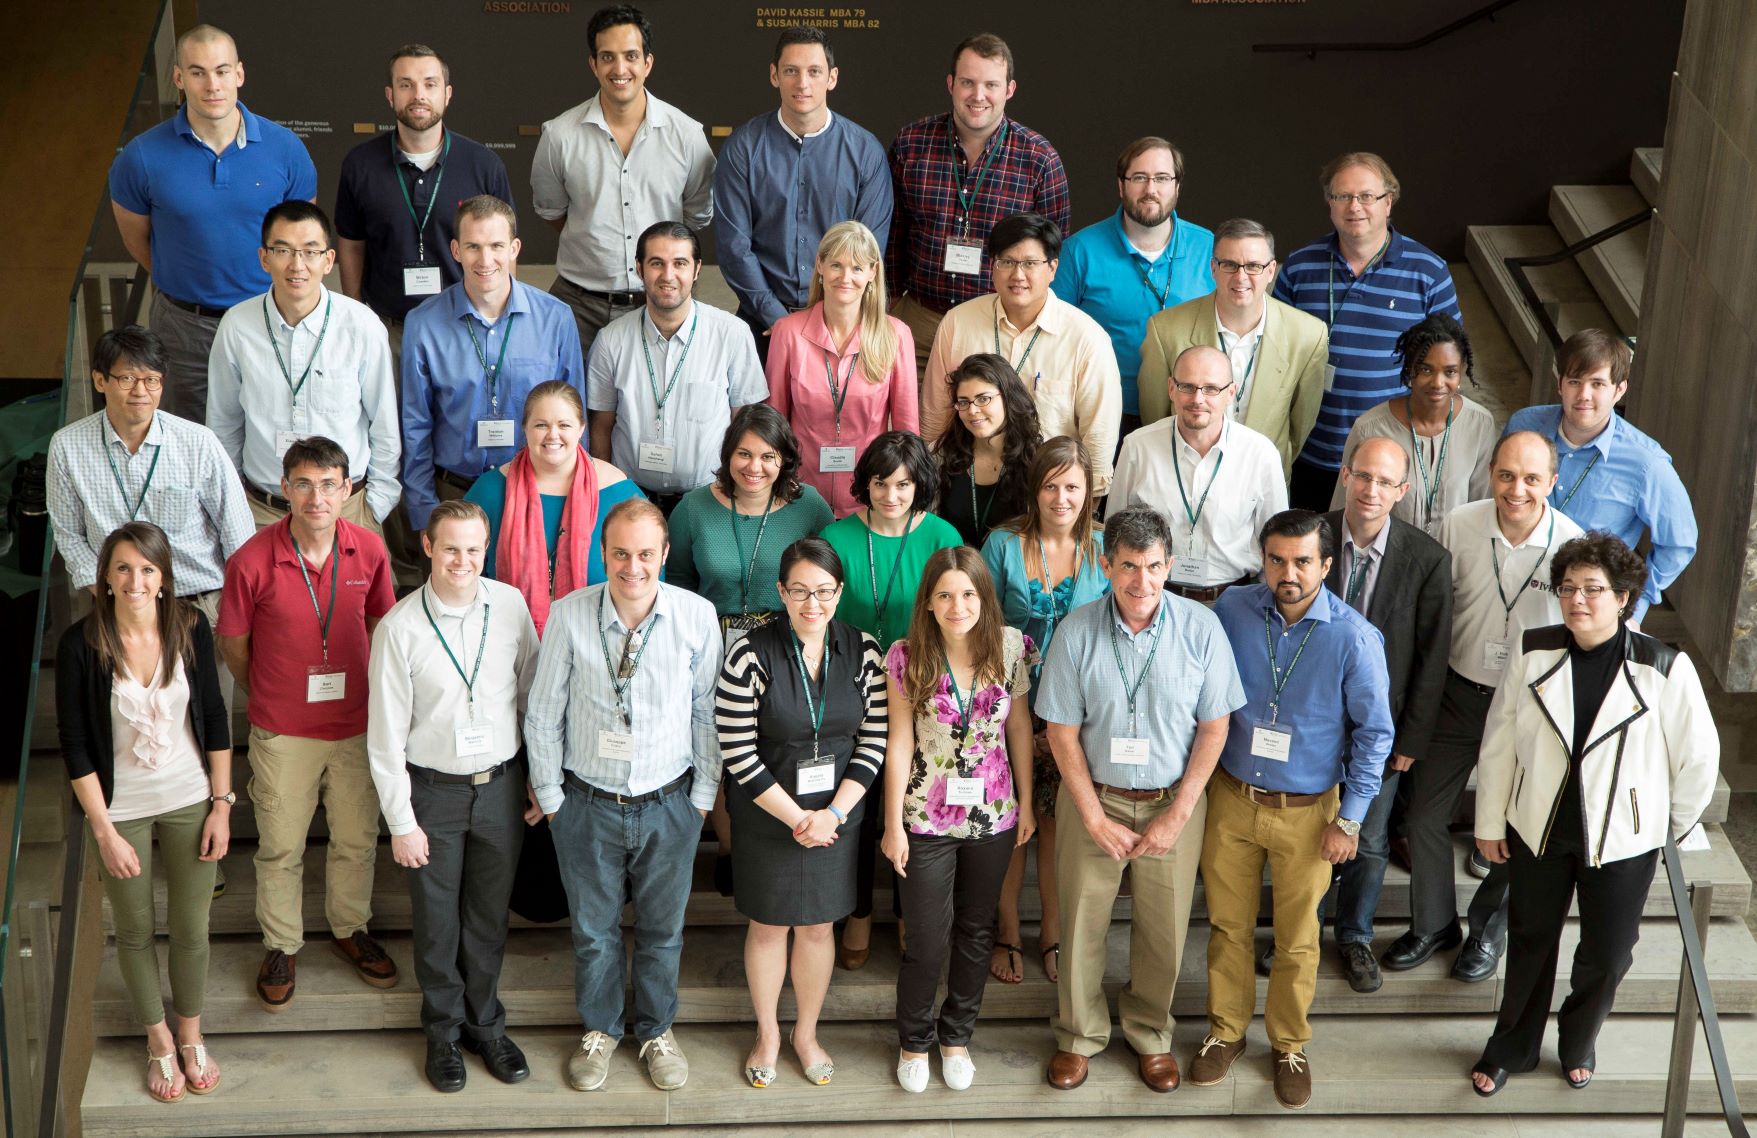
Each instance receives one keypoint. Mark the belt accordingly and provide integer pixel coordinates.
(454, 479)
(1273, 798)
(1479, 689)
(276, 502)
(1204, 594)
(665, 501)
(588, 789)
(627, 298)
(198, 309)
(478, 779)
(1155, 794)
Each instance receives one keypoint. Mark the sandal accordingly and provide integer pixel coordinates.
(167, 1065)
(1588, 1066)
(1497, 1077)
(818, 1074)
(1015, 973)
(201, 1070)
(1044, 955)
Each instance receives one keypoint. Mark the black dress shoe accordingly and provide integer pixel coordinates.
(1476, 960)
(1410, 950)
(501, 1056)
(1360, 968)
(445, 1067)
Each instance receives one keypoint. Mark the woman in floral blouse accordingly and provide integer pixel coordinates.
(957, 800)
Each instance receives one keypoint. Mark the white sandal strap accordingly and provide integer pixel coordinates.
(167, 1066)
(200, 1058)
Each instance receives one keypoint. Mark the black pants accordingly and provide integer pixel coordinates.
(949, 898)
(1542, 888)
(459, 899)
(1437, 784)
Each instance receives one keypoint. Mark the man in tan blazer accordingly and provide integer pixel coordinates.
(1279, 354)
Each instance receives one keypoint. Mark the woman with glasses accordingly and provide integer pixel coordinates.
(884, 545)
(145, 737)
(986, 447)
(1598, 750)
(1045, 565)
(957, 800)
(840, 369)
(801, 713)
(1447, 436)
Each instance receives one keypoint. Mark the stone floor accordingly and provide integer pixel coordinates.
(1293, 1126)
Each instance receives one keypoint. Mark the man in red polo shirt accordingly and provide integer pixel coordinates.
(314, 586)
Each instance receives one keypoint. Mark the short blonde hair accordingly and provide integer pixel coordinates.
(456, 510)
(1360, 158)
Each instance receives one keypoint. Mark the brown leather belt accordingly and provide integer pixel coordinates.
(681, 782)
(276, 502)
(1205, 595)
(1274, 799)
(1154, 794)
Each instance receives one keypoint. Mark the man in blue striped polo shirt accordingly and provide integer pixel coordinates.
(1368, 283)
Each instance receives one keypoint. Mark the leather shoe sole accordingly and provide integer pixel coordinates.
(445, 1067)
(1067, 1070)
(1411, 951)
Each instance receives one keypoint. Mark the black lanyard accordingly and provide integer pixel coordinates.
(420, 222)
(618, 685)
(335, 569)
(1495, 555)
(838, 396)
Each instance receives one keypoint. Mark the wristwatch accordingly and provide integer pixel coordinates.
(1350, 828)
(229, 798)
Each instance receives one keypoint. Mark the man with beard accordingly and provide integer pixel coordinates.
(1141, 259)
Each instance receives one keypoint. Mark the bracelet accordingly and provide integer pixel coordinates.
(840, 817)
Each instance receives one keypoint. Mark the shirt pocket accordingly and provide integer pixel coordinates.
(702, 401)
(335, 390)
(172, 509)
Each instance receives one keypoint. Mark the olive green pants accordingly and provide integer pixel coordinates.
(189, 889)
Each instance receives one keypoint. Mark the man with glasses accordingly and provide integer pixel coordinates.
(1277, 352)
(1217, 480)
(1368, 283)
(625, 763)
(300, 361)
(1140, 260)
(1063, 356)
(188, 196)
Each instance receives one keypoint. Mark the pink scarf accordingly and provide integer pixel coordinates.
(522, 557)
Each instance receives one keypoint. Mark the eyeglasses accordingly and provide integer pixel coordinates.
(1206, 392)
(1362, 198)
(631, 648)
(1249, 268)
(1029, 264)
(1158, 181)
(1593, 592)
(329, 487)
(1362, 479)
(824, 595)
(980, 402)
(283, 254)
(130, 382)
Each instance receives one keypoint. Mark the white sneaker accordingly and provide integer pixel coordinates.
(912, 1074)
(958, 1070)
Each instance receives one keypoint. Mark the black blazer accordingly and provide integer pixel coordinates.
(82, 703)
(1412, 609)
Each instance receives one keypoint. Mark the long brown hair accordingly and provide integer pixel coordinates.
(927, 647)
(174, 617)
(1058, 454)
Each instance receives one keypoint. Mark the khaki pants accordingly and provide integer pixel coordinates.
(1241, 835)
(922, 322)
(354, 509)
(208, 604)
(1087, 879)
(289, 775)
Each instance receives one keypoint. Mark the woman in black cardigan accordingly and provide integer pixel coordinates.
(146, 742)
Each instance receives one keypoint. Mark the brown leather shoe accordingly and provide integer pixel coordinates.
(1159, 1072)
(1066, 1070)
(1213, 1060)
(1293, 1079)
(274, 981)
(368, 958)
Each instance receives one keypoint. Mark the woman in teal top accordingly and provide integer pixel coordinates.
(1045, 565)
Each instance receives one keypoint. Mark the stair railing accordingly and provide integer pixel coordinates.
(1517, 267)
(1311, 50)
(1692, 902)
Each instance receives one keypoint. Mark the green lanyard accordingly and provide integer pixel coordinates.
(880, 606)
(1146, 273)
(1574, 489)
(618, 685)
(1049, 588)
(286, 371)
(1495, 555)
(1132, 688)
(481, 649)
(420, 222)
(965, 200)
(1430, 488)
(814, 709)
(1280, 678)
(1194, 515)
(980, 520)
(491, 374)
(335, 569)
(1365, 269)
(747, 566)
(1029, 344)
(1357, 577)
(659, 400)
(134, 510)
(837, 396)
(1244, 385)
(963, 703)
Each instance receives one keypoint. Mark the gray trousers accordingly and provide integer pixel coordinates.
(188, 340)
(590, 313)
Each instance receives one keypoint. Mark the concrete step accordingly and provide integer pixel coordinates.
(372, 1083)
(1563, 290)
(1645, 166)
(1615, 267)
(537, 983)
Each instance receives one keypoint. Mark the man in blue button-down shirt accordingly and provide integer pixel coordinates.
(1301, 766)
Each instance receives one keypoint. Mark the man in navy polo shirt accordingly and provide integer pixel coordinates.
(189, 196)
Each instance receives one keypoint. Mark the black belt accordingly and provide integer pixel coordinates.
(454, 479)
(478, 779)
(628, 298)
(665, 501)
(276, 502)
(589, 790)
(1479, 689)
(198, 309)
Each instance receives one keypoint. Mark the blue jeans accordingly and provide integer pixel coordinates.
(1357, 897)
(645, 852)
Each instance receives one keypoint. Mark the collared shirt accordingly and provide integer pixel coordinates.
(206, 208)
(349, 396)
(580, 173)
(1191, 679)
(193, 495)
(719, 372)
(1397, 291)
(1480, 618)
(927, 168)
(1626, 483)
(1233, 489)
(370, 207)
(1068, 367)
(775, 194)
(1336, 699)
(419, 699)
(445, 384)
(1352, 570)
(266, 593)
(1436, 488)
(670, 697)
(1241, 353)
(1107, 278)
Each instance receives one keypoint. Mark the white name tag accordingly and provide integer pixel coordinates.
(1272, 741)
(814, 778)
(965, 791)
(1494, 655)
(474, 740)
(1189, 565)
(421, 280)
(835, 460)
(1329, 377)
(734, 635)
(658, 457)
(963, 257)
(1128, 752)
(285, 439)
(618, 745)
(494, 432)
(322, 687)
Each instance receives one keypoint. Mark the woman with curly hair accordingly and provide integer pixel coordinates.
(986, 447)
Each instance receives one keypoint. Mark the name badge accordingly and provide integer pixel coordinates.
(1494, 655)
(1273, 741)
(963, 257)
(658, 457)
(734, 635)
(1329, 377)
(618, 745)
(1128, 752)
(835, 460)
(421, 280)
(494, 432)
(323, 687)
(1189, 564)
(474, 740)
(815, 778)
(965, 791)
(285, 439)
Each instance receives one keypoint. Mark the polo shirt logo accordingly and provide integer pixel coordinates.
(356, 584)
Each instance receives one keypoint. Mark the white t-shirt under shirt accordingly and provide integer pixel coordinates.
(153, 720)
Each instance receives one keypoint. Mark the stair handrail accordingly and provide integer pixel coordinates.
(1311, 50)
(49, 1116)
(1691, 905)
(1517, 266)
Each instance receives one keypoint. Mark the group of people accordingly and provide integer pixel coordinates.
(665, 564)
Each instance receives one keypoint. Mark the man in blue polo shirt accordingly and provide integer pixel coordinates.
(1611, 476)
(1139, 260)
(189, 196)
(1368, 283)
(785, 178)
(470, 357)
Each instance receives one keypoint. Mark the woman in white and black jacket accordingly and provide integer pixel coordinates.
(1599, 747)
